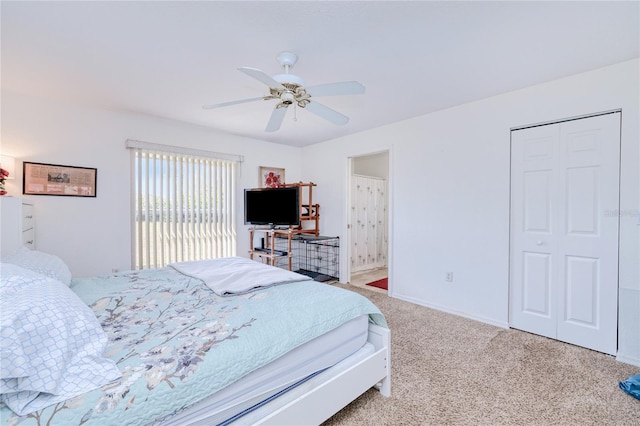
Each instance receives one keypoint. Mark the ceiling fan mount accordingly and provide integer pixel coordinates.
(287, 59)
(290, 89)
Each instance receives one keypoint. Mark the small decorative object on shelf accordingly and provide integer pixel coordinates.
(3, 176)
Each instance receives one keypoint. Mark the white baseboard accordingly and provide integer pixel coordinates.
(452, 311)
(628, 360)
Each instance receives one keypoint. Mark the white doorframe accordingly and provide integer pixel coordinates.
(347, 232)
(347, 213)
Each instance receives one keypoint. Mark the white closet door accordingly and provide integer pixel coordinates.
(534, 153)
(589, 246)
(564, 253)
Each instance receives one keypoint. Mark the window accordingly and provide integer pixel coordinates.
(183, 204)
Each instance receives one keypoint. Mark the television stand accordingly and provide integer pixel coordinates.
(268, 252)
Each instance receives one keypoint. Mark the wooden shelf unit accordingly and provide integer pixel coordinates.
(308, 210)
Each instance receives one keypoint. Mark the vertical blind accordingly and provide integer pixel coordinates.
(184, 207)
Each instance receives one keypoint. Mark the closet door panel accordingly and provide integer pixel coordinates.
(588, 248)
(533, 203)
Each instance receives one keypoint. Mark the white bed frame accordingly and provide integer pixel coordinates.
(312, 407)
(325, 400)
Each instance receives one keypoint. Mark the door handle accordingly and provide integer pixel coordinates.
(539, 243)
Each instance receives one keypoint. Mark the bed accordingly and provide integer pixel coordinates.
(287, 351)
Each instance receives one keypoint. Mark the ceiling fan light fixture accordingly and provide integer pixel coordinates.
(287, 97)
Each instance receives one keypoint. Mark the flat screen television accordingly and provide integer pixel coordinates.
(272, 206)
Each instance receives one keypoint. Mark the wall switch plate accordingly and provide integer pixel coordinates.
(449, 277)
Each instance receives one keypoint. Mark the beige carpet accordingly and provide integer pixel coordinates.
(448, 370)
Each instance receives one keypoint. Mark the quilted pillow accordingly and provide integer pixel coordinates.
(52, 343)
(43, 263)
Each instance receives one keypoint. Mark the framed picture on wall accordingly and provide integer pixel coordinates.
(271, 177)
(55, 179)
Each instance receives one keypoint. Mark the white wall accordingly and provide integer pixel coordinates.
(449, 188)
(92, 235)
(376, 165)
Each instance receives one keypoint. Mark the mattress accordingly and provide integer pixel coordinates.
(292, 369)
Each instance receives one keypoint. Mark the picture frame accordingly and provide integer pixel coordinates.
(271, 177)
(59, 180)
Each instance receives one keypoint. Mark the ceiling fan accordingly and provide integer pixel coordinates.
(289, 89)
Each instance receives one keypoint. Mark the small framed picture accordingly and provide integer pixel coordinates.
(271, 177)
(54, 179)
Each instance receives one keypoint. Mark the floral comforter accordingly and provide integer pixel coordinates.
(176, 342)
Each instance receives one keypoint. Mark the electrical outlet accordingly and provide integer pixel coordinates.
(449, 277)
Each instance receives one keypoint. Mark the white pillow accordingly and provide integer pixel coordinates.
(56, 342)
(43, 263)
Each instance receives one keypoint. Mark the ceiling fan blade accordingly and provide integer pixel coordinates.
(277, 116)
(239, 101)
(327, 113)
(336, 89)
(260, 76)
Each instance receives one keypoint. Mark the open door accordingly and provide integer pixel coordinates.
(368, 216)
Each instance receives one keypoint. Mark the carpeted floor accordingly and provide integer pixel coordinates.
(449, 370)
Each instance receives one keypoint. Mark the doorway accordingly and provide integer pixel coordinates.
(369, 220)
(564, 248)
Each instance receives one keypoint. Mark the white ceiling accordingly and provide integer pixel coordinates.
(169, 58)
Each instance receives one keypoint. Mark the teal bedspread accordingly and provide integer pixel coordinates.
(176, 342)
